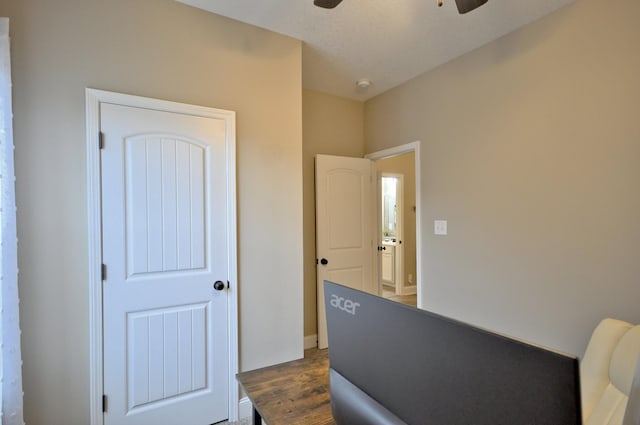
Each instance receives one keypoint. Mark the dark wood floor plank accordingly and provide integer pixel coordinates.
(292, 393)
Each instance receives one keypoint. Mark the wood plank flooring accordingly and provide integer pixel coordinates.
(295, 392)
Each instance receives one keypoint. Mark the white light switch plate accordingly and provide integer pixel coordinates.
(440, 227)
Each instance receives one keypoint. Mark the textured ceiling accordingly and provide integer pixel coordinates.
(385, 41)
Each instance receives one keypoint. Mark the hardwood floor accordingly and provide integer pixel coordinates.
(295, 392)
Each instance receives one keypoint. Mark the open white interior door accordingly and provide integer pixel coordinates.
(345, 227)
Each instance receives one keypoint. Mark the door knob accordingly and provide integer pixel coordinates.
(218, 285)
(324, 261)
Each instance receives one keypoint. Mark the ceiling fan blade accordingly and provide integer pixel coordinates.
(465, 6)
(327, 4)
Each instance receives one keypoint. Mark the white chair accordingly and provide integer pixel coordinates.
(607, 370)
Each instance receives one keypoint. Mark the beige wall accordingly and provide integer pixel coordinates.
(162, 49)
(405, 164)
(332, 126)
(531, 151)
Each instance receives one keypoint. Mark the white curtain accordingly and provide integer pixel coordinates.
(10, 355)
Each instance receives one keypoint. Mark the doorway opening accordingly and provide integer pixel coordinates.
(396, 249)
(399, 273)
(348, 226)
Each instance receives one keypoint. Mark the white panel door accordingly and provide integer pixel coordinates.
(164, 217)
(344, 227)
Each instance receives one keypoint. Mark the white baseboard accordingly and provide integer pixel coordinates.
(310, 341)
(245, 409)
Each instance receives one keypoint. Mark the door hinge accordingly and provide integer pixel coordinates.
(103, 271)
(104, 403)
(100, 140)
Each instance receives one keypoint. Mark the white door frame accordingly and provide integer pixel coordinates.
(395, 151)
(93, 100)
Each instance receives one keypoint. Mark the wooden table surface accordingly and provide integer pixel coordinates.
(291, 393)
